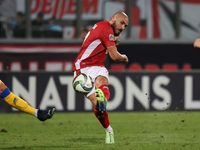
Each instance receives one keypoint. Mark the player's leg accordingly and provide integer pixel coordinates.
(102, 85)
(102, 92)
(102, 88)
(100, 75)
(22, 105)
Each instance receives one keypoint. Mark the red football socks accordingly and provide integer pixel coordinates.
(105, 90)
(102, 117)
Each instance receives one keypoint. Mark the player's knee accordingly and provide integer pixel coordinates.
(101, 80)
(2, 87)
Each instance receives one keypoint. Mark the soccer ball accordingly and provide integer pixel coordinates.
(83, 83)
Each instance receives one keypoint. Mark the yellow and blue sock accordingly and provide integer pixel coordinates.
(16, 101)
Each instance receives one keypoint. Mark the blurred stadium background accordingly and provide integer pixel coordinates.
(40, 39)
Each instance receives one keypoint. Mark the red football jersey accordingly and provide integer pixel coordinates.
(93, 51)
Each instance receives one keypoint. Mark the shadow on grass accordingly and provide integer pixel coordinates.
(87, 140)
(35, 147)
(73, 144)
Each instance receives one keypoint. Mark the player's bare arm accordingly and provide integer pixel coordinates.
(116, 56)
(197, 43)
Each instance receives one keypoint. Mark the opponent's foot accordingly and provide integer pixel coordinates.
(102, 102)
(109, 138)
(45, 114)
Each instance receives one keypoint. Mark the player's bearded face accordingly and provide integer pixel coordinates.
(116, 30)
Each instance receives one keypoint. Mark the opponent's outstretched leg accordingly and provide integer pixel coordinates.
(22, 105)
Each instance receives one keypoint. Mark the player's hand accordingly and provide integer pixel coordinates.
(125, 59)
(197, 43)
(117, 39)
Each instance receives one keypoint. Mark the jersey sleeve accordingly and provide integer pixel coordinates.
(107, 38)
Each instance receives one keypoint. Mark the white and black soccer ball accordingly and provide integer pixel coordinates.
(83, 83)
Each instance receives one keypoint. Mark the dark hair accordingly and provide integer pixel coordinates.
(40, 14)
(20, 14)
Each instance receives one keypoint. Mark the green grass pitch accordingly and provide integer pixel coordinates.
(133, 131)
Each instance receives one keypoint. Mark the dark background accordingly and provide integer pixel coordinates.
(137, 53)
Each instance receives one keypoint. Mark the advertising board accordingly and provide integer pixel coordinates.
(140, 91)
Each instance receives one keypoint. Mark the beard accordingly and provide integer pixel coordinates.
(114, 26)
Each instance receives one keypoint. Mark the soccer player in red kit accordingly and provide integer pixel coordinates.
(101, 40)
